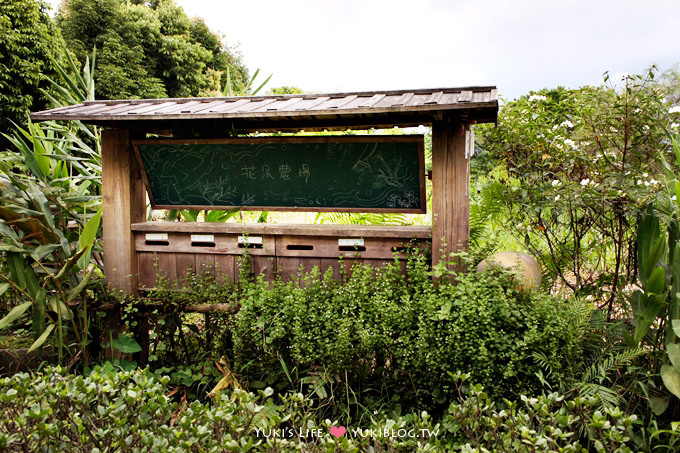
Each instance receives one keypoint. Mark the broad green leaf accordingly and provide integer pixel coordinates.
(3, 288)
(41, 339)
(676, 326)
(658, 405)
(671, 379)
(14, 314)
(652, 303)
(126, 344)
(673, 351)
(657, 281)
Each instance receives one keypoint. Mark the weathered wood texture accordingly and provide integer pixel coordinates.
(124, 202)
(283, 250)
(360, 109)
(450, 189)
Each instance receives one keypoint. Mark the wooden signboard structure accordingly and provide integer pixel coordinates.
(308, 173)
(205, 160)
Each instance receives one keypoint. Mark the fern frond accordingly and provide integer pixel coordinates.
(600, 369)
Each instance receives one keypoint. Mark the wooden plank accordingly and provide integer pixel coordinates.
(124, 202)
(326, 263)
(147, 270)
(376, 231)
(403, 100)
(167, 267)
(180, 242)
(265, 265)
(308, 264)
(450, 189)
(287, 267)
(372, 100)
(465, 96)
(205, 264)
(225, 268)
(186, 262)
(434, 98)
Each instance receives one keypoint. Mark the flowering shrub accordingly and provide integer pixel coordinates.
(576, 167)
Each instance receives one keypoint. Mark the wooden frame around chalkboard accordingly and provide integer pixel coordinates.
(328, 139)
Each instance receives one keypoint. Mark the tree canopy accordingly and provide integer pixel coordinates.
(29, 41)
(148, 49)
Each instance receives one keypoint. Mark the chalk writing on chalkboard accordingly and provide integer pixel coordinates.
(348, 173)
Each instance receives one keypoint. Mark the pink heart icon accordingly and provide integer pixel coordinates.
(338, 431)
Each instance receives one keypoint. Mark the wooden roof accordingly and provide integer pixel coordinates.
(298, 111)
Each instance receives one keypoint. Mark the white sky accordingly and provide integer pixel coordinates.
(517, 45)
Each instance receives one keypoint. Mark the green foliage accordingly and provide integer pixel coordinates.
(545, 423)
(150, 50)
(285, 90)
(49, 220)
(29, 45)
(577, 167)
(378, 326)
(106, 410)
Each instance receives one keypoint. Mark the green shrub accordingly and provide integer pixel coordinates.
(108, 410)
(382, 335)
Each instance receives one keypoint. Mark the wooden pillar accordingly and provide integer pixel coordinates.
(450, 188)
(124, 201)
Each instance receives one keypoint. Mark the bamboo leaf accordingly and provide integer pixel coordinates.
(87, 238)
(70, 262)
(42, 338)
(14, 314)
(78, 289)
(39, 311)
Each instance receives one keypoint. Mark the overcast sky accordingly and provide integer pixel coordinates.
(517, 45)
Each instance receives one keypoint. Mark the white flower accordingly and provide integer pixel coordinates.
(585, 182)
(647, 183)
(557, 197)
(644, 175)
(675, 109)
(567, 123)
(675, 125)
(537, 97)
(639, 182)
(653, 181)
(673, 198)
(570, 142)
(555, 183)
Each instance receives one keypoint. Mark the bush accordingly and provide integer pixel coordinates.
(108, 410)
(404, 333)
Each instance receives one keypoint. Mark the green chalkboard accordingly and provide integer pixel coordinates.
(313, 173)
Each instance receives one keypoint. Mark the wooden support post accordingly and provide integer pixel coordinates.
(124, 200)
(450, 188)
